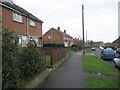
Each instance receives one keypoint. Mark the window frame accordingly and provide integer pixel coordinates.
(32, 23)
(17, 17)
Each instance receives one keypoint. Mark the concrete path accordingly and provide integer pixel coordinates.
(69, 75)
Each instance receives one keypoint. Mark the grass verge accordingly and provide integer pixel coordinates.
(101, 82)
(88, 50)
(94, 64)
(48, 62)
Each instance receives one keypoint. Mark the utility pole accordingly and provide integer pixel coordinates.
(86, 36)
(83, 28)
(86, 40)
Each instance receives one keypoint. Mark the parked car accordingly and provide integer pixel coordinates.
(118, 51)
(93, 48)
(101, 48)
(117, 62)
(108, 54)
(109, 48)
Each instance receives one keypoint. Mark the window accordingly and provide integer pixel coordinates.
(64, 38)
(23, 40)
(20, 40)
(49, 37)
(35, 38)
(17, 17)
(32, 23)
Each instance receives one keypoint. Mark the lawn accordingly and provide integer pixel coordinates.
(94, 64)
(48, 62)
(88, 50)
(68, 50)
(100, 82)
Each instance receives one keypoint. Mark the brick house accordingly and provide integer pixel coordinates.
(25, 25)
(57, 36)
(76, 41)
(116, 43)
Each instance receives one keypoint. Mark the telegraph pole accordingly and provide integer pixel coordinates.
(83, 29)
(86, 36)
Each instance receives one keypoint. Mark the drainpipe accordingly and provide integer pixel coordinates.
(27, 25)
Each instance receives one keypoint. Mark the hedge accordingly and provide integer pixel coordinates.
(10, 70)
(18, 63)
(53, 45)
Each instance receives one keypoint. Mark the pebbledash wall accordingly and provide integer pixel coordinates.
(24, 29)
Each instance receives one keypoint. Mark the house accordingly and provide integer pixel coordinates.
(76, 41)
(57, 36)
(23, 23)
(116, 43)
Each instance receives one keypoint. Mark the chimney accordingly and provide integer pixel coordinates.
(64, 31)
(58, 28)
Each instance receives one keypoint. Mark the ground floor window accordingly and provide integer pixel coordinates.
(24, 39)
(35, 38)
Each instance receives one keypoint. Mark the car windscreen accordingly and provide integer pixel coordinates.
(109, 51)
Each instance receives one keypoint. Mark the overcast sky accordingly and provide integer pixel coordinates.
(101, 16)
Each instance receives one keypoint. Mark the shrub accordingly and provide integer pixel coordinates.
(18, 63)
(74, 45)
(10, 70)
(31, 60)
(53, 45)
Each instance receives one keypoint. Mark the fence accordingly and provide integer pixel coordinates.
(56, 53)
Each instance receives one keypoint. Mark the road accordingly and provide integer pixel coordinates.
(98, 52)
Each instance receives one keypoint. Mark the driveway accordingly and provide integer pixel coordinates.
(69, 75)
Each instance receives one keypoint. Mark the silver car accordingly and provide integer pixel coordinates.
(117, 62)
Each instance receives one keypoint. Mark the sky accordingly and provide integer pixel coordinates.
(100, 17)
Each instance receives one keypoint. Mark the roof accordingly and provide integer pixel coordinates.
(116, 41)
(63, 34)
(20, 9)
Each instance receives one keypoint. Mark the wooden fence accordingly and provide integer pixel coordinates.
(56, 53)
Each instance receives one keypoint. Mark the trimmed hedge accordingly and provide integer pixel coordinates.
(53, 45)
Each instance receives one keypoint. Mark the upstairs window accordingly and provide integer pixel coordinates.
(17, 17)
(49, 37)
(32, 23)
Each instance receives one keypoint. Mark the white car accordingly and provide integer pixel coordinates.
(117, 62)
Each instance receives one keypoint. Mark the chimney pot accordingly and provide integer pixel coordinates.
(58, 28)
(64, 31)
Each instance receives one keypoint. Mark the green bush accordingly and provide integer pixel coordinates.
(74, 45)
(19, 63)
(53, 45)
(31, 60)
(10, 70)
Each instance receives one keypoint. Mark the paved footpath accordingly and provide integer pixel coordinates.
(69, 75)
